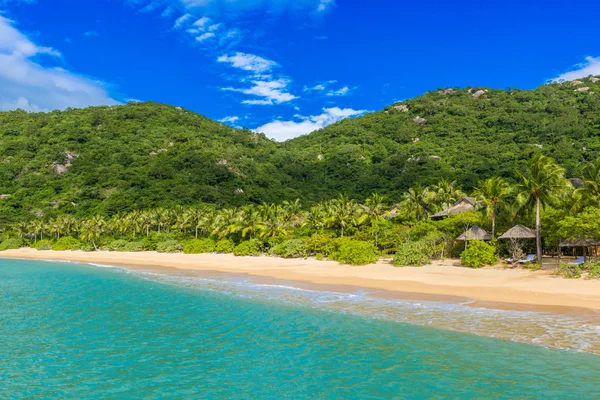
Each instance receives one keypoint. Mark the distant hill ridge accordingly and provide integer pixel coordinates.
(142, 155)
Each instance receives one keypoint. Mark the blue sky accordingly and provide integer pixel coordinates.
(283, 67)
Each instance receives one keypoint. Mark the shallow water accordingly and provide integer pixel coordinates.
(80, 331)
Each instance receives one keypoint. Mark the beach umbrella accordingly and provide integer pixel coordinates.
(474, 233)
(518, 232)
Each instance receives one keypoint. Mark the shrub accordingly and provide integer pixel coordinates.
(199, 246)
(224, 246)
(10, 244)
(593, 270)
(356, 252)
(247, 248)
(118, 245)
(569, 271)
(478, 254)
(169, 246)
(134, 246)
(318, 243)
(319, 256)
(413, 254)
(293, 248)
(42, 245)
(67, 243)
(84, 246)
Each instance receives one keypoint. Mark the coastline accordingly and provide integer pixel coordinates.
(487, 287)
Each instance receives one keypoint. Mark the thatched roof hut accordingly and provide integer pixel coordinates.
(518, 232)
(474, 233)
(461, 205)
(579, 243)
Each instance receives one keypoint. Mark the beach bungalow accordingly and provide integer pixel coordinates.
(518, 232)
(460, 206)
(588, 247)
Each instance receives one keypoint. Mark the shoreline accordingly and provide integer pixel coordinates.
(489, 287)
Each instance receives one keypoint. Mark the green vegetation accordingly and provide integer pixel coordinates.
(147, 176)
(411, 254)
(247, 248)
(478, 254)
(11, 244)
(199, 246)
(43, 245)
(66, 243)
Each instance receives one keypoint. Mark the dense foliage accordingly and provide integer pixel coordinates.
(478, 254)
(109, 160)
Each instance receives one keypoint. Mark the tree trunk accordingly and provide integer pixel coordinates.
(494, 224)
(196, 232)
(538, 231)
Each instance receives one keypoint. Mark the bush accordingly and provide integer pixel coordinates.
(199, 246)
(67, 243)
(319, 257)
(42, 245)
(118, 245)
(478, 254)
(569, 271)
(293, 248)
(10, 244)
(356, 252)
(413, 254)
(224, 246)
(83, 246)
(169, 246)
(319, 243)
(247, 248)
(134, 246)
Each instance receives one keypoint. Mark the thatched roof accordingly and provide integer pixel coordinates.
(475, 233)
(518, 232)
(461, 205)
(579, 243)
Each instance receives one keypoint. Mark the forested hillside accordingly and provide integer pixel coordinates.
(115, 159)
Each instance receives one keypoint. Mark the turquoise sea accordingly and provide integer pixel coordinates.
(76, 331)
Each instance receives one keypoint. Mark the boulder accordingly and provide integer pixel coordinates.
(478, 93)
(576, 83)
(401, 107)
(582, 89)
(436, 158)
(594, 79)
(59, 168)
(419, 120)
(576, 182)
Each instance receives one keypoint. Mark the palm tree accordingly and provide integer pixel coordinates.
(417, 199)
(493, 193)
(591, 182)
(375, 209)
(446, 193)
(92, 228)
(542, 183)
(343, 213)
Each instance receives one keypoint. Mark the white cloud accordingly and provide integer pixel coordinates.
(271, 92)
(340, 92)
(28, 85)
(324, 5)
(284, 130)
(591, 66)
(320, 87)
(248, 62)
(90, 33)
(229, 120)
(205, 36)
(202, 22)
(181, 20)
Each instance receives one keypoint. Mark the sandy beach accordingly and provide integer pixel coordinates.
(516, 288)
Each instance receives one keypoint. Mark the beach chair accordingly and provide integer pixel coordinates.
(579, 261)
(529, 259)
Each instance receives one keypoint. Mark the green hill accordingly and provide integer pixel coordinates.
(111, 159)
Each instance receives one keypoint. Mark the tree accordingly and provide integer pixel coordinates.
(542, 183)
(417, 200)
(591, 183)
(445, 194)
(376, 209)
(92, 229)
(493, 193)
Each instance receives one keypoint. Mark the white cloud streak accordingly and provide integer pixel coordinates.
(284, 130)
(30, 86)
(591, 66)
(270, 92)
(181, 20)
(248, 62)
